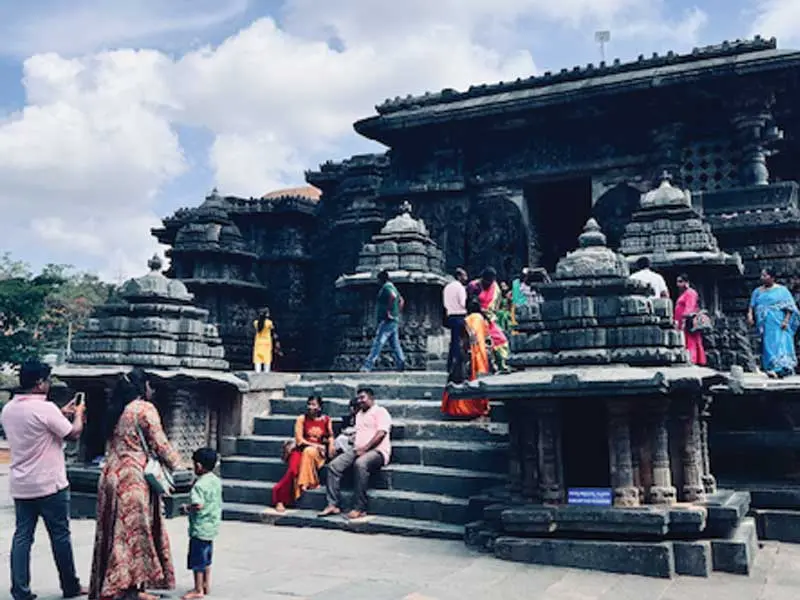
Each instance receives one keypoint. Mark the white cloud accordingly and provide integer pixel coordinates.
(96, 141)
(779, 18)
(79, 26)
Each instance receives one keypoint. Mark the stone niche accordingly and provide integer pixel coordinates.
(606, 402)
(155, 326)
(415, 264)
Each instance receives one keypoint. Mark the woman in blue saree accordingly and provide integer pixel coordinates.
(775, 314)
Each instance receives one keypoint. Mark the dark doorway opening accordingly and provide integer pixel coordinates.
(559, 210)
(585, 444)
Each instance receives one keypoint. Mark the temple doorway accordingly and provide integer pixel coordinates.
(585, 444)
(559, 210)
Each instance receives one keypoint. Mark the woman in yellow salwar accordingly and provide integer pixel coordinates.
(477, 331)
(487, 291)
(263, 343)
(313, 444)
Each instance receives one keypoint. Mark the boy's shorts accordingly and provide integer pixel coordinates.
(200, 553)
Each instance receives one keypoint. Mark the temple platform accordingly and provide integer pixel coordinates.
(655, 541)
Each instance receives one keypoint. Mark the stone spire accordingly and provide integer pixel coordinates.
(155, 325)
(593, 313)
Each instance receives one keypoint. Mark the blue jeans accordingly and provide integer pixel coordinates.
(54, 510)
(388, 331)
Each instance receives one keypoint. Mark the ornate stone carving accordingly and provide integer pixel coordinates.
(662, 490)
(626, 493)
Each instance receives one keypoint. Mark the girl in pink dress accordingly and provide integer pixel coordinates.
(688, 304)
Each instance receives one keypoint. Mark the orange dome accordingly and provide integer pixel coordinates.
(309, 192)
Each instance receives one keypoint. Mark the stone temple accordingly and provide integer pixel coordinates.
(689, 159)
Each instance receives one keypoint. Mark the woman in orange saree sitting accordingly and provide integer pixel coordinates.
(313, 443)
(477, 330)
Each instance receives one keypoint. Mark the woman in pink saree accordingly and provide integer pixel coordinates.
(487, 291)
(688, 304)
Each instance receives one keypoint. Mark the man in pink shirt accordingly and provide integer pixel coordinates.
(372, 450)
(36, 430)
(454, 299)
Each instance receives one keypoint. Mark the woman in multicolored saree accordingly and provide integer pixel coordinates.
(131, 545)
(775, 314)
(477, 329)
(487, 291)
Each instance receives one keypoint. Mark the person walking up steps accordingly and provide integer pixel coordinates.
(389, 306)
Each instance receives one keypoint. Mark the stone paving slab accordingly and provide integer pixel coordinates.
(254, 561)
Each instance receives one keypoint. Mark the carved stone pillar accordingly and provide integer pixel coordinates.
(668, 142)
(515, 432)
(529, 443)
(637, 442)
(662, 491)
(709, 481)
(691, 455)
(551, 479)
(756, 131)
(619, 451)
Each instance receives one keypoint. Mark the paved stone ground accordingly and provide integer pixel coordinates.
(277, 563)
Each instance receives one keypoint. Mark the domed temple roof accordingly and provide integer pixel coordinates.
(596, 333)
(210, 228)
(309, 192)
(669, 231)
(156, 325)
(405, 249)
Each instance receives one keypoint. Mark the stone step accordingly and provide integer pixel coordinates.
(390, 503)
(419, 377)
(420, 410)
(413, 478)
(778, 525)
(481, 456)
(283, 425)
(400, 389)
(373, 524)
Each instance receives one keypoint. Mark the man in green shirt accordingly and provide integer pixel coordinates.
(387, 313)
(205, 516)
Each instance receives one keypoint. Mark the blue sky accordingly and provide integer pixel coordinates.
(113, 114)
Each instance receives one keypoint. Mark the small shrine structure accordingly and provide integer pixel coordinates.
(598, 350)
(153, 325)
(676, 238)
(416, 266)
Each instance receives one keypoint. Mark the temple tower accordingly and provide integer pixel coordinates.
(415, 265)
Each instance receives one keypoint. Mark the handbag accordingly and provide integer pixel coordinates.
(157, 477)
(699, 322)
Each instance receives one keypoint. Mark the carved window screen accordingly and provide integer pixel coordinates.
(710, 165)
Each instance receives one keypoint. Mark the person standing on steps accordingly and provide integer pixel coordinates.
(389, 306)
(36, 430)
(646, 275)
(371, 452)
(454, 299)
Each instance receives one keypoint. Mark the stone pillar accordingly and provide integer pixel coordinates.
(662, 491)
(515, 433)
(626, 493)
(755, 132)
(668, 142)
(551, 478)
(691, 455)
(529, 443)
(709, 482)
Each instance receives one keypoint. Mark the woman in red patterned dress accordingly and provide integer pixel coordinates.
(131, 547)
(313, 443)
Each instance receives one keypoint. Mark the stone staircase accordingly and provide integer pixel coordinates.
(437, 464)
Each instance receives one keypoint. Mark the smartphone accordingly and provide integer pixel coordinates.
(79, 398)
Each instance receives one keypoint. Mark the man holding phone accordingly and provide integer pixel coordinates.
(36, 430)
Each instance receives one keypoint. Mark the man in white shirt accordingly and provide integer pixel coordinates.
(646, 275)
(454, 299)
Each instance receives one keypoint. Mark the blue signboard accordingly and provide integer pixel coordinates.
(590, 496)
